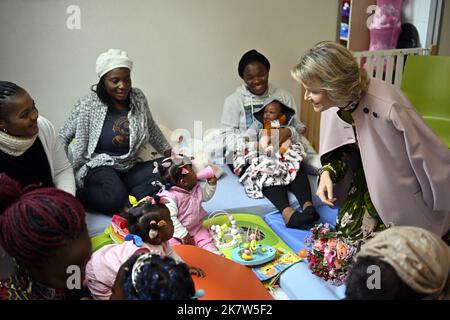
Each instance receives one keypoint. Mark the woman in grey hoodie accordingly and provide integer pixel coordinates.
(238, 116)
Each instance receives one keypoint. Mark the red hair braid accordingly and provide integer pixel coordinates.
(34, 223)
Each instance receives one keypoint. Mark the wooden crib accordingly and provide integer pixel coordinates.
(386, 65)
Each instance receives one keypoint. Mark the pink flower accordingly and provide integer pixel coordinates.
(317, 245)
(329, 255)
(341, 249)
(332, 243)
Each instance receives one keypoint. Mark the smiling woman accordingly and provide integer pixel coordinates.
(238, 116)
(30, 152)
(29, 149)
(366, 125)
(105, 134)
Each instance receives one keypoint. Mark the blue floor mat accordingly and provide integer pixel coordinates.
(300, 284)
(294, 238)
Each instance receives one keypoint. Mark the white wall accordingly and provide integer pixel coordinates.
(185, 52)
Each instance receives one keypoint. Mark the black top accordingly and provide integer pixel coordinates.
(115, 137)
(31, 167)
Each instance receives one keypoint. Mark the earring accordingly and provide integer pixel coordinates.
(4, 130)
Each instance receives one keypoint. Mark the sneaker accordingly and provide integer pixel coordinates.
(311, 211)
(301, 220)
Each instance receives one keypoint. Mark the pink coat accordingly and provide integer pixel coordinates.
(407, 167)
(189, 204)
(102, 268)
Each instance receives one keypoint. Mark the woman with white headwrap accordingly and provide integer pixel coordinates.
(104, 136)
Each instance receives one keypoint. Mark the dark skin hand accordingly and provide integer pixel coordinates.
(193, 270)
(212, 181)
(284, 134)
(188, 240)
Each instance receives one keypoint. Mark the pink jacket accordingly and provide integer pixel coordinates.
(102, 268)
(190, 211)
(407, 167)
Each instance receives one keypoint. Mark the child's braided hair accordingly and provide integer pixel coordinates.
(139, 217)
(152, 277)
(170, 169)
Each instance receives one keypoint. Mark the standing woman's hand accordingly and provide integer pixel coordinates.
(325, 189)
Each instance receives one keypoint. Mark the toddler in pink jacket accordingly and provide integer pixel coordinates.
(184, 197)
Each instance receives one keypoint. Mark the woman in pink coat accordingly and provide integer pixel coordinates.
(380, 162)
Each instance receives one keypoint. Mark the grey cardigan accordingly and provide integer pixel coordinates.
(85, 126)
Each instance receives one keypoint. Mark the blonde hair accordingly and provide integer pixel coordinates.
(330, 67)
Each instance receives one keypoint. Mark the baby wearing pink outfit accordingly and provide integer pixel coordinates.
(184, 197)
(150, 228)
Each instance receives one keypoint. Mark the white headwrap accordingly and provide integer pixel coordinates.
(112, 59)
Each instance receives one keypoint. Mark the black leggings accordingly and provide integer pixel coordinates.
(300, 187)
(106, 190)
(278, 195)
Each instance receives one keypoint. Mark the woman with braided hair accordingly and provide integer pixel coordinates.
(147, 276)
(43, 229)
(30, 151)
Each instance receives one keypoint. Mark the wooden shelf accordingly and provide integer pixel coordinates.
(358, 34)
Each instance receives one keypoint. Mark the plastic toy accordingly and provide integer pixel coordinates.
(303, 253)
(226, 236)
(224, 279)
(245, 221)
(344, 30)
(206, 173)
(135, 238)
(345, 10)
(118, 230)
(251, 252)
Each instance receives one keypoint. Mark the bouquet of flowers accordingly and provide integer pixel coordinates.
(331, 254)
